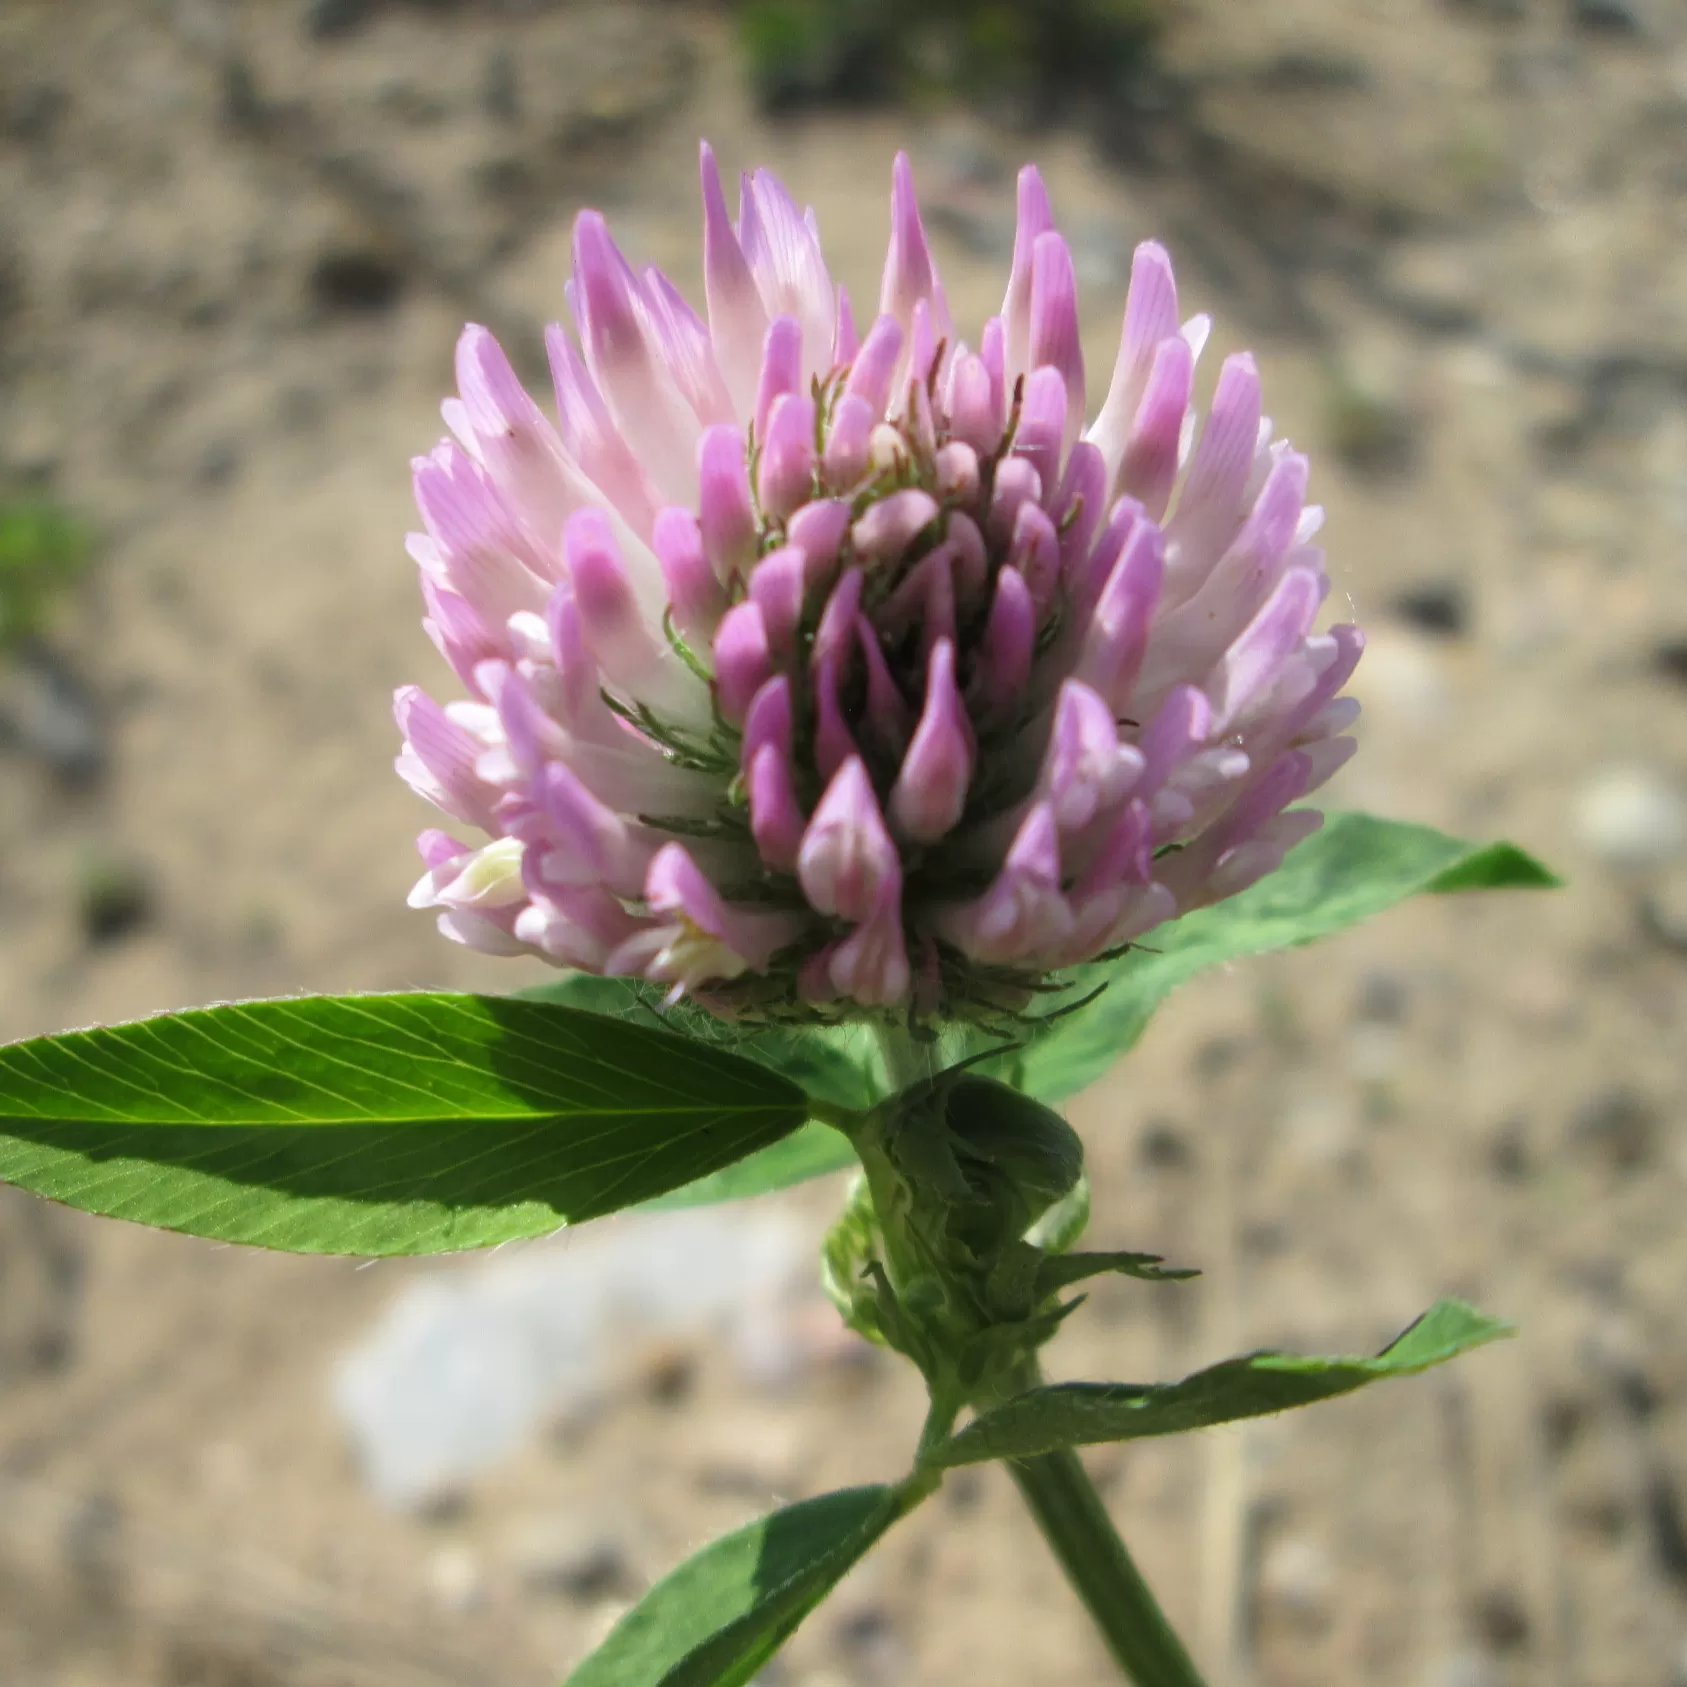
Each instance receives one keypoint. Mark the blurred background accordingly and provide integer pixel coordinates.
(237, 239)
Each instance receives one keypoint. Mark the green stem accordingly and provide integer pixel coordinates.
(1075, 1524)
(906, 1063)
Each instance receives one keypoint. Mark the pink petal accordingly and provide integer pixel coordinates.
(1023, 913)
(848, 863)
(641, 393)
(1054, 326)
(1010, 637)
(785, 474)
(871, 964)
(1209, 506)
(611, 622)
(1118, 635)
(1036, 217)
(743, 663)
(834, 743)
(875, 364)
(777, 822)
(590, 436)
(1042, 425)
(884, 533)
(817, 529)
(1257, 655)
(438, 759)
(781, 368)
(784, 255)
(849, 442)
(725, 513)
(1017, 482)
(1034, 551)
(1086, 770)
(975, 413)
(694, 592)
(930, 791)
(909, 273)
(776, 588)
(1148, 465)
(594, 845)
(737, 317)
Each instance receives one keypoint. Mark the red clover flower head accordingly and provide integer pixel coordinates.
(816, 673)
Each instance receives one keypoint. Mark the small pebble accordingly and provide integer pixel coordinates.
(114, 900)
(575, 1561)
(328, 20)
(1563, 1418)
(1608, 17)
(1669, 659)
(1164, 1146)
(1435, 282)
(1462, 1669)
(47, 713)
(1509, 1157)
(665, 1373)
(1296, 1577)
(1383, 999)
(1663, 909)
(455, 1580)
(355, 283)
(1404, 679)
(1618, 1126)
(1631, 816)
(1501, 1620)
(1439, 608)
(1666, 1528)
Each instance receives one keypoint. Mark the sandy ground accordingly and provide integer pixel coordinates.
(233, 259)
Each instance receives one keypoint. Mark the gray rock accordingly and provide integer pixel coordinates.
(1436, 282)
(1631, 816)
(1618, 1126)
(327, 20)
(1297, 1578)
(1663, 909)
(1609, 17)
(1462, 1669)
(47, 714)
(1502, 1619)
(576, 1561)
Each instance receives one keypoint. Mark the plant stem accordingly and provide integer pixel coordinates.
(906, 1063)
(1075, 1524)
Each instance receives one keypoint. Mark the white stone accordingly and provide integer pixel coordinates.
(1631, 816)
(472, 1359)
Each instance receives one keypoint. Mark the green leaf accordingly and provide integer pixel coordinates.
(813, 1151)
(377, 1124)
(1356, 866)
(42, 550)
(1061, 1271)
(1500, 866)
(836, 1064)
(1079, 1414)
(723, 1613)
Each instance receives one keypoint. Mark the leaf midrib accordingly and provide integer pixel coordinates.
(378, 1121)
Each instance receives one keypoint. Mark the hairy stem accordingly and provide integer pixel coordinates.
(906, 1062)
(1075, 1524)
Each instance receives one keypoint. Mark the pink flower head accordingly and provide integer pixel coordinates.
(816, 671)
